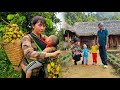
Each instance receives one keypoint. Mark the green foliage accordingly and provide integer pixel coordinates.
(23, 19)
(10, 17)
(73, 17)
(17, 19)
(2, 30)
(115, 61)
(6, 68)
(65, 58)
(50, 29)
(116, 18)
(101, 16)
(49, 15)
(60, 34)
(91, 19)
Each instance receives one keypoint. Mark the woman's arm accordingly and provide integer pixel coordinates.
(49, 49)
(54, 54)
(29, 52)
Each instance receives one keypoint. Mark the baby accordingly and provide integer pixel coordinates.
(52, 42)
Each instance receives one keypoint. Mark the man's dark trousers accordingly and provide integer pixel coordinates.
(103, 54)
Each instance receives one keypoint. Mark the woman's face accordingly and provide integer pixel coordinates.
(39, 27)
(76, 43)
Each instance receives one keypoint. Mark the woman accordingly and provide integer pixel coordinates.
(76, 51)
(29, 47)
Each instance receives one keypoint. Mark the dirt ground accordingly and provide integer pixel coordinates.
(90, 71)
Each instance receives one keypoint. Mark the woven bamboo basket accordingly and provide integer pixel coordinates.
(14, 53)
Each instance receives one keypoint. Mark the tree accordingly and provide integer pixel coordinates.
(73, 17)
(116, 16)
(24, 19)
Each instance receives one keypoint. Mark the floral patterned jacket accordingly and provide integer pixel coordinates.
(76, 50)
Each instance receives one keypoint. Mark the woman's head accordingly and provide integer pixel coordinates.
(75, 40)
(38, 24)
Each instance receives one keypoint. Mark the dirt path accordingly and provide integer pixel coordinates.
(91, 71)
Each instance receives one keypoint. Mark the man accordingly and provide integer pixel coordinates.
(102, 41)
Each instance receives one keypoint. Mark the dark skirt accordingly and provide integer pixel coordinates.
(77, 57)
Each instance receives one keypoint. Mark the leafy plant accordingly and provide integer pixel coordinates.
(6, 68)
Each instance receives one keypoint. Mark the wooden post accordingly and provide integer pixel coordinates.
(111, 41)
(80, 41)
(94, 37)
(68, 38)
(117, 41)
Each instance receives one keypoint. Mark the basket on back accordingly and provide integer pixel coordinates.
(14, 53)
(12, 44)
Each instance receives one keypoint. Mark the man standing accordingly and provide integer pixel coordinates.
(102, 41)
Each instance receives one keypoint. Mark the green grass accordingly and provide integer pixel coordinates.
(115, 61)
(6, 68)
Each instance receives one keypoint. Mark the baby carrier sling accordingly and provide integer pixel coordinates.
(40, 44)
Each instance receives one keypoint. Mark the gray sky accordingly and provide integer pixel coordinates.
(60, 15)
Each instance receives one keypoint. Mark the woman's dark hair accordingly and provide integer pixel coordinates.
(75, 39)
(35, 19)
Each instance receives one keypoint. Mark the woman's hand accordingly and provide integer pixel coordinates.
(56, 53)
(82, 54)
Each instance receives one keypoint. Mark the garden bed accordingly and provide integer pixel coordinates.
(65, 57)
(114, 60)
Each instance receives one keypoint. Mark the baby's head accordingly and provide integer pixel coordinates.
(84, 46)
(53, 40)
